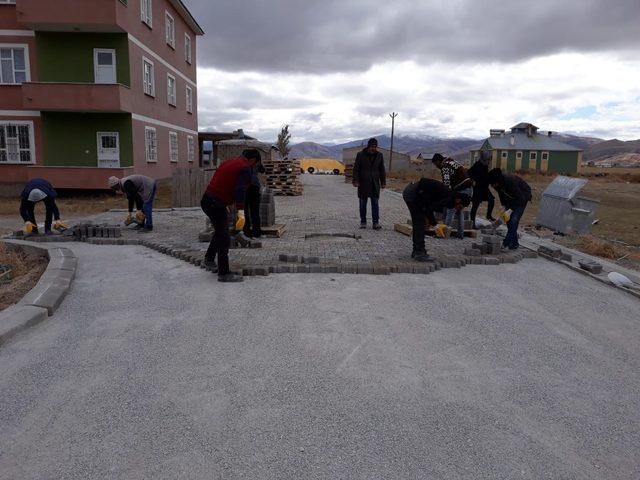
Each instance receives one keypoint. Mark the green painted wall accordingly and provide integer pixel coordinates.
(563, 162)
(68, 57)
(70, 139)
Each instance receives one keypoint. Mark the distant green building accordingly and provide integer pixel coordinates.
(524, 149)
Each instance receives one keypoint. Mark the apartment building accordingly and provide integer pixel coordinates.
(94, 88)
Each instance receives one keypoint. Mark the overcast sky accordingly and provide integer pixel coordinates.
(335, 69)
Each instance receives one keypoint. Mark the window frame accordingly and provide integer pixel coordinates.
(148, 148)
(188, 49)
(174, 148)
(146, 14)
(27, 66)
(169, 20)
(172, 100)
(533, 156)
(504, 155)
(32, 145)
(191, 149)
(545, 157)
(189, 99)
(151, 92)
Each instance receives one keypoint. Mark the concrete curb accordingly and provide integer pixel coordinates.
(43, 299)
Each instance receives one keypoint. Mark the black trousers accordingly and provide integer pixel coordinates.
(482, 195)
(419, 226)
(28, 212)
(252, 226)
(216, 210)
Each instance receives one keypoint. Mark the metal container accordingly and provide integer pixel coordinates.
(562, 210)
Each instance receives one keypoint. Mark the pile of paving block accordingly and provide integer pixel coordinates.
(491, 245)
(283, 177)
(267, 208)
(85, 231)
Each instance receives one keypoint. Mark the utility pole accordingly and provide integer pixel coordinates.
(393, 126)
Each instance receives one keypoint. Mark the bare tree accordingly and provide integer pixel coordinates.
(284, 137)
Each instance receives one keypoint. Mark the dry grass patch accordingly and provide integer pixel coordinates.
(26, 271)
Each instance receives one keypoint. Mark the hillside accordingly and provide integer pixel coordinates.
(610, 148)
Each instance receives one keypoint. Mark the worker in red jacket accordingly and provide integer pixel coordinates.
(227, 187)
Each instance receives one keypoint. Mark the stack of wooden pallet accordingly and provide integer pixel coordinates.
(348, 173)
(283, 177)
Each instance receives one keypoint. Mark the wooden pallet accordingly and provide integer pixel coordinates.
(430, 232)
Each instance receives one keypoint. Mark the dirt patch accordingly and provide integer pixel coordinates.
(26, 271)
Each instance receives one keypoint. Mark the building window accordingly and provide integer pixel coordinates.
(148, 77)
(518, 155)
(187, 49)
(171, 90)
(170, 30)
(151, 144)
(189, 99)
(146, 12)
(504, 155)
(545, 156)
(533, 156)
(8, 1)
(173, 147)
(14, 65)
(191, 148)
(16, 143)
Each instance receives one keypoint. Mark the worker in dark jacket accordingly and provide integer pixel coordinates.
(456, 178)
(252, 226)
(140, 191)
(40, 190)
(514, 195)
(423, 199)
(227, 187)
(479, 173)
(369, 176)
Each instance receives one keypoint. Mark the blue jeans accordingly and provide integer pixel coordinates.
(511, 240)
(147, 209)
(375, 210)
(459, 214)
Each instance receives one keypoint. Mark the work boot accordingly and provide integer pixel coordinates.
(363, 226)
(422, 257)
(210, 265)
(230, 278)
(418, 253)
(377, 226)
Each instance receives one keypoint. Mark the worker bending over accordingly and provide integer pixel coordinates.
(423, 199)
(40, 190)
(227, 187)
(140, 191)
(455, 177)
(514, 195)
(479, 173)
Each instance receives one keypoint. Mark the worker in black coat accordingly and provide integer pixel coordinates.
(423, 198)
(514, 195)
(40, 190)
(479, 173)
(369, 176)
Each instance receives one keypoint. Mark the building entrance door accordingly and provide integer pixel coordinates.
(108, 150)
(105, 65)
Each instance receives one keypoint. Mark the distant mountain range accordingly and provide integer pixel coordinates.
(595, 149)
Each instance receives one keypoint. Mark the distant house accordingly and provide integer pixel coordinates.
(527, 149)
(400, 161)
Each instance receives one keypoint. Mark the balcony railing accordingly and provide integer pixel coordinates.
(72, 15)
(76, 97)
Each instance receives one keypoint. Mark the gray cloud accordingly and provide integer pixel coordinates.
(320, 36)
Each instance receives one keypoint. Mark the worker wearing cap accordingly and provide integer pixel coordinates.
(514, 195)
(423, 198)
(227, 187)
(140, 191)
(456, 178)
(40, 190)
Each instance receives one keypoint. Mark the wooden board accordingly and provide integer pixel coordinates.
(274, 231)
(430, 232)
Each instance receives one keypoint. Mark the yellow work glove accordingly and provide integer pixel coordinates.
(60, 226)
(29, 227)
(240, 221)
(441, 230)
(506, 216)
(129, 220)
(140, 217)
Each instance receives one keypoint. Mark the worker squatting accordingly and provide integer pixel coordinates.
(236, 183)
